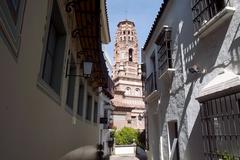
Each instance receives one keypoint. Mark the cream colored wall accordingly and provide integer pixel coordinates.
(32, 124)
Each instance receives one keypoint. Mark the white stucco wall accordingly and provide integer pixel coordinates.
(217, 51)
(33, 124)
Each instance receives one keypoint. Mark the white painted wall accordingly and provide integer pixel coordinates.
(125, 150)
(217, 51)
(33, 124)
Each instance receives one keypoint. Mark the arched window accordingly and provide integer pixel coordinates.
(130, 52)
(128, 32)
(138, 92)
(123, 32)
(128, 91)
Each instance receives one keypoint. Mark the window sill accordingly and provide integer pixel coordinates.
(213, 23)
(48, 90)
(167, 74)
(152, 96)
(68, 110)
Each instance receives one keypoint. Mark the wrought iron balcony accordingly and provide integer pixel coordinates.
(150, 84)
(108, 90)
(206, 13)
(165, 62)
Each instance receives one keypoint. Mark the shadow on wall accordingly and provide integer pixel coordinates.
(194, 149)
(205, 52)
(235, 51)
(187, 100)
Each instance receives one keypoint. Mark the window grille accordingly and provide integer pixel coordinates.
(89, 108)
(204, 10)
(95, 113)
(150, 84)
(220, 120)
(71, 85)
(80, 100)
(164, 52)
(54, 53)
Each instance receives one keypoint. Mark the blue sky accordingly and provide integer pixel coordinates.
(141, 12)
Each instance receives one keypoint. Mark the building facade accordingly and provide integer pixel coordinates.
(128, 99)
(192, 81)
(50, 105)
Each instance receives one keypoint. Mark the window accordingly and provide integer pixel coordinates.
(128, 91)
(128, 32)
(11, 18)
(54, 54)
(105, 126)
(89, 108)
(95, 116)
(13, 6)
(220, 121)
(71, 85)
(130, 52)
(123, 32)
(164, 52)
(80, 99)
(138, 93)
(173, 137)
(204, 10)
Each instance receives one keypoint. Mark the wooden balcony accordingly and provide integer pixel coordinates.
(150, 84)
(109, 90)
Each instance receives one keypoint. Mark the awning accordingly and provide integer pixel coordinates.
(87, 32)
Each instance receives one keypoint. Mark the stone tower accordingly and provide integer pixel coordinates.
(128, 98)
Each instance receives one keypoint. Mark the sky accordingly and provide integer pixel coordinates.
(141, 12)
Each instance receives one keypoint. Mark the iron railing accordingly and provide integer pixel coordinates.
(204, 10)
(220, 120)
(164, 52)
(150, 84)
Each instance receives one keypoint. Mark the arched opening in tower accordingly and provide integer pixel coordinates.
(130, 51)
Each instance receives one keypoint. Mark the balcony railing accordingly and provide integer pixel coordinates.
(203, 11)
(109, 89)
(150, 84)
(164, 52)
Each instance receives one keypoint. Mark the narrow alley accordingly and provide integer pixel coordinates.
(120, 79)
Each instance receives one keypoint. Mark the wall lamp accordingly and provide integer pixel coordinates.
(87, 69)
(140, 116)
(196, 69)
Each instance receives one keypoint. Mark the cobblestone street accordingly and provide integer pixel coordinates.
(117, 157)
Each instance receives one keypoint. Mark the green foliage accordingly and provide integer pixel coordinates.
(227, 156)
(126, 135)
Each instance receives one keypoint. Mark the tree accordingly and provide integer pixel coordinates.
(126, 135)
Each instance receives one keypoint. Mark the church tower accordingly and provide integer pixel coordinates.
(128, 98)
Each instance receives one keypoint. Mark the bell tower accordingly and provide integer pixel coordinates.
(128, 98)
(126, 45)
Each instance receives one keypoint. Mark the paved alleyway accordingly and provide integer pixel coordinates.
(117, 157)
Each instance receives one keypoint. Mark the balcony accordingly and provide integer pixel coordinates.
(165, 61)
(108, 90)
(151, 87)
(210, 15)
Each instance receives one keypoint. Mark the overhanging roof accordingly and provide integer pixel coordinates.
(157, 19)
(87, 32)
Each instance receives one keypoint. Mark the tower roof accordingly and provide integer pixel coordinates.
(126, 21)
